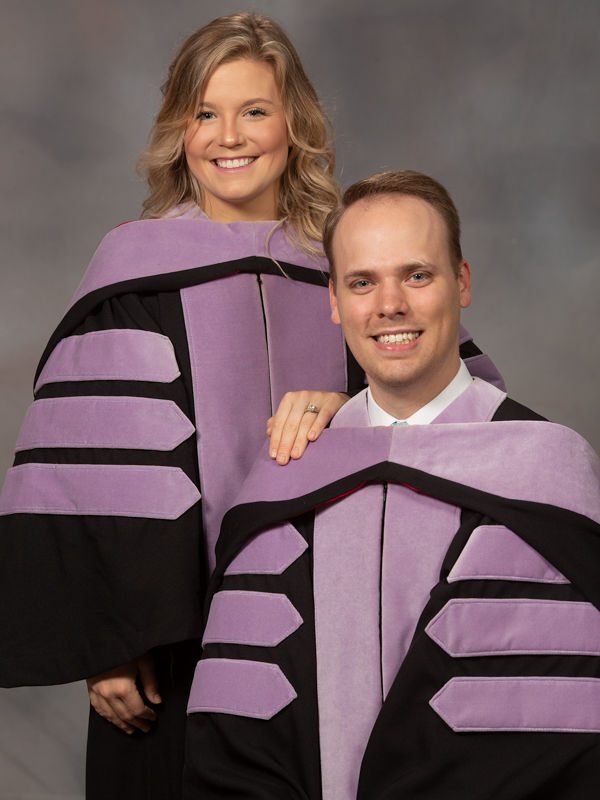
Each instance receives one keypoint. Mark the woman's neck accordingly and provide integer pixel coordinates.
(260, 209)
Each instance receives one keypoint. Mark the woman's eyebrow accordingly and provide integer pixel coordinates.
(252, 101)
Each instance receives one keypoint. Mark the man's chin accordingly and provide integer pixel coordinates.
(395, 381)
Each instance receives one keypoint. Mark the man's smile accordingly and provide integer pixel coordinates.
(397, 338)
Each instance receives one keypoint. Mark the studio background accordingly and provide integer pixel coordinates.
(497, 99)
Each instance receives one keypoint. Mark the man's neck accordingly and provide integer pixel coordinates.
(403, 401)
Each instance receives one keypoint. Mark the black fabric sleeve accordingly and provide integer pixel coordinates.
(81, 594)
(256, 759)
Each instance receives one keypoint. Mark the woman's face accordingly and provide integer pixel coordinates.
(238, 145)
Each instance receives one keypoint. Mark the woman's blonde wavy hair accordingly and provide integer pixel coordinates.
(308, 189)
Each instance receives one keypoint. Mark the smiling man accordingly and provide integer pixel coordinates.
(412, 610)
(397, 289)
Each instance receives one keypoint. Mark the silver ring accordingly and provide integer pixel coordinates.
(312, 408)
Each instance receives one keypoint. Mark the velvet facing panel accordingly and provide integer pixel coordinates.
(260, 333)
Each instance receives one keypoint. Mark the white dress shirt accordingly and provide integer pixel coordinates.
(461, 381)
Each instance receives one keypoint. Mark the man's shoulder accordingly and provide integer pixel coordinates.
(509, 409)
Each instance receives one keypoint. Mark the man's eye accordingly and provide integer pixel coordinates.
(362, 284)
(418, 277)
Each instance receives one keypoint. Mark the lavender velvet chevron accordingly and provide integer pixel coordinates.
(269, 552)
(135, 423)
(262, 619)
(98, 490)
(122, 354)
(470, 627)
(551, 704)
(494, 552)
(236, 686)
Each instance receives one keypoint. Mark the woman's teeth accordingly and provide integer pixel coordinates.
(398, 338)
(232, 163)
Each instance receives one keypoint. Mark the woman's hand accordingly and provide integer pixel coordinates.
(114, 694)
(292, 427)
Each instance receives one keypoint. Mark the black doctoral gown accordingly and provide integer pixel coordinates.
(407, 613)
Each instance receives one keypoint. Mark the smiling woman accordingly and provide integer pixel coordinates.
(255, 50)
(237, 147)
(182, 339)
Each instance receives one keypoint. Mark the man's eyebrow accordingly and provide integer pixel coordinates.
(359, 273)
(369, 274)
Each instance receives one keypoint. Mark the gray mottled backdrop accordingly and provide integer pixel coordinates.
(497, 99)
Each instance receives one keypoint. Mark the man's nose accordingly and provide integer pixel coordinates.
(392, 300)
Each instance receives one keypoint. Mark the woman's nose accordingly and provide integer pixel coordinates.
(231, 136)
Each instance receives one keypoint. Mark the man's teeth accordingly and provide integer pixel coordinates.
(398, 338)
(232, 163)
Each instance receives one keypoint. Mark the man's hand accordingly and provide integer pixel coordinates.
(292, 427)
(115, 696)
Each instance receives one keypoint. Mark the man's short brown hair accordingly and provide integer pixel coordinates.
(403, 182)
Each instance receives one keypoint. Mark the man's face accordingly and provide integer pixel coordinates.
(397, 297)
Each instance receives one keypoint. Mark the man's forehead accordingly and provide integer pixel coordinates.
(384, 205)
(384, 218)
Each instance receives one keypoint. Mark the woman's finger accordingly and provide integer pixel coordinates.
(278, 421)
(331, 404)
(298, 421)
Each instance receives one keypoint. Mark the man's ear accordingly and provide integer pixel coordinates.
(335, 316)
(464, 283)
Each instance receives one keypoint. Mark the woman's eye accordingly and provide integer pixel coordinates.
(205, 115)
(256, 112)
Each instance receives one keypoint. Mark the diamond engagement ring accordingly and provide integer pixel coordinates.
(312, 408)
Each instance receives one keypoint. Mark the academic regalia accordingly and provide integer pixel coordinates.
(407, 612)
(155, 388)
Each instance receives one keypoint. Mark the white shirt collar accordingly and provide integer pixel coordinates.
(461, 381)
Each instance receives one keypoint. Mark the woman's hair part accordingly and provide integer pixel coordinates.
(308, 189)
